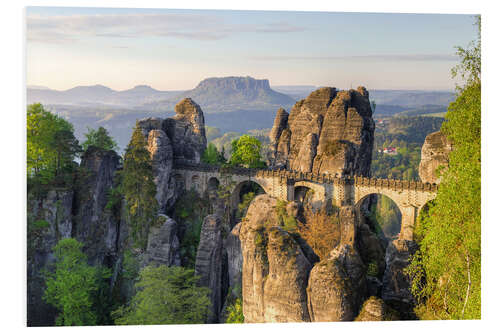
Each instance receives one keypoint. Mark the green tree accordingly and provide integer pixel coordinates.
(447, 270)
(139, 188)
(51, 144)
(73, 286)
(212, 156)
(246, 152)
(166, 295)
(99, 138)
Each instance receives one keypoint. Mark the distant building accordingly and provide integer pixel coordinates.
(390, 150)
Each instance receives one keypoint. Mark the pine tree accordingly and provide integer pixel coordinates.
(139, 188)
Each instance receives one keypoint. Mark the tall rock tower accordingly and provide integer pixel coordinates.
(329, 132)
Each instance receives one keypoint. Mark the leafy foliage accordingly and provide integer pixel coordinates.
(212, 156)
(447, 270)
(99, 138)
(246, 152)
(51, 146)
(166, 295)
(139, 188)
(73, 286)
(235, 313)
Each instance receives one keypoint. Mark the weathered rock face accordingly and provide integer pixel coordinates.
(209, 261)
(337, 286)
(94, 225)
(374, 309)
(179, 139)
(371, 249)
(187, 131)
(163, 244)
(160, 148)
(280, 123)
(343, 125)
(435, 154)
(396, 283)
(55, 210)
(307, 152)
(275, 269)
(232, 245)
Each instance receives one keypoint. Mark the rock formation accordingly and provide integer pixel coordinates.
(307, 152)
(232, 245)
(180, 139)
(163, 244)
(49, 220)
(435, 153)
(341, 122)
(209, 259)
(160, 148)
(396, 283)
(187, 132)
(374, 309)
(275, 269)
(337, 286)
(95, 225)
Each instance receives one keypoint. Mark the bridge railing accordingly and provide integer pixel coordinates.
(395, 184)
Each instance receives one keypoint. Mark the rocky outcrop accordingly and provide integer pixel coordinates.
(280, 123)
(435, 155)
(374, 309)
(209, 261)
(95, 226)
(180, 139)
(337, 286)
(396, 289)
(163, 244)
(160, 148)
(49, 220)
(275, 269)
(187, 132)
(232, 245)
(307, 152)
(343, 126)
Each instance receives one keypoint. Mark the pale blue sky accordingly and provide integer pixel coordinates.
(175, 49)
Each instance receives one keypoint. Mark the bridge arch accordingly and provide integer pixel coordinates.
(380, 212)
(213, 184)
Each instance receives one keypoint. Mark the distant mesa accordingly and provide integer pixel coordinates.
(231, 94)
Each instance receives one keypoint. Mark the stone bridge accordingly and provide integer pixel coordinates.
(348, 193)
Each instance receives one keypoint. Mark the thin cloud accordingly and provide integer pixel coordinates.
(379, 57)
(64, 29)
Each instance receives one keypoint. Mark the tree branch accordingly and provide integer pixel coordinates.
(468, 286)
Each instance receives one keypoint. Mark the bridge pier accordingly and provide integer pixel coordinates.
(408, 218)
(348, 225)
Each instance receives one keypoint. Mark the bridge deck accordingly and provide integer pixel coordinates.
(395, 184)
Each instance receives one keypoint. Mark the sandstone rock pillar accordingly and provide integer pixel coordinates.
(408, 216)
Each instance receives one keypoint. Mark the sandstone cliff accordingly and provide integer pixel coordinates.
(275, 269)
(435, 154)
(163, 244)
(209, 262)
(374, 309)
(180, 139)
(337, 286)
(396, 282)
(49, 220)
(328, 132)
(95, 226)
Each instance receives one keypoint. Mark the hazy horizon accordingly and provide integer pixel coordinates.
(176, 49)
